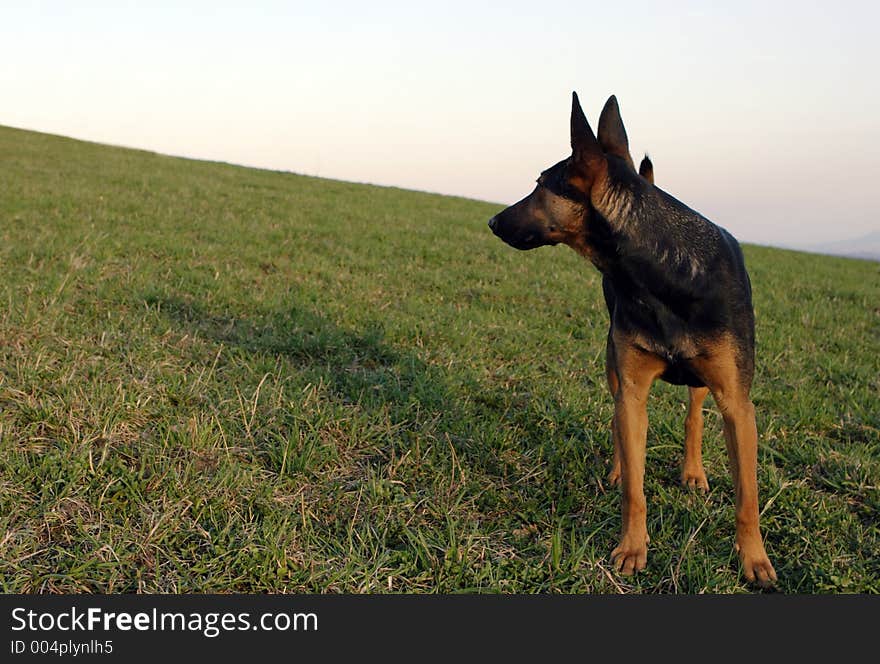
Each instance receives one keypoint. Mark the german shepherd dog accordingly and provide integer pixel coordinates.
(680, 303)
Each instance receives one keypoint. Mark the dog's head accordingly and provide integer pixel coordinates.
(560, 210)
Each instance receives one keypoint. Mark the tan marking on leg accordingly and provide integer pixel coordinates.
(720, 371)
(636, 370)
(613, 382)
(693, 475)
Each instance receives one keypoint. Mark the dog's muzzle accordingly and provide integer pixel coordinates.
(493, 222)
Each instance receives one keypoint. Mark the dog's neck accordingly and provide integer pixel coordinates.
(605, 223)
(614, 203)
(632, 219)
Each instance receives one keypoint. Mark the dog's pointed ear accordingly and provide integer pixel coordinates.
(585, 149)
(646, 169)
(612, 135)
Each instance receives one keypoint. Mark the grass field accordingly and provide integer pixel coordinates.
(218, 379)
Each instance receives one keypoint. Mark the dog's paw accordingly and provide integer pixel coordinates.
(694, 478)
(756, 565)
(614, 476)
(631, 555)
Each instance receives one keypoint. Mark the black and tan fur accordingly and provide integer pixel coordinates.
(680, 306)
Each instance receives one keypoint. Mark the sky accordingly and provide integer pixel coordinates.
(763, 116)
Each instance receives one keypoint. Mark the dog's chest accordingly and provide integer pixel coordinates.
(656, 327)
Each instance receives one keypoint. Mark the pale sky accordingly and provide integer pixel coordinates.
(763, 116)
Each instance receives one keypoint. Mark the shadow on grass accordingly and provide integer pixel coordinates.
(361, 368)
(358, 365)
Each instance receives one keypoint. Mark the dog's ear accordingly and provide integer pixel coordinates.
(612, 135)
(646, 169)
(586, 152)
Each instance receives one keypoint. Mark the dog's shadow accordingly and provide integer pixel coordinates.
(358, 366)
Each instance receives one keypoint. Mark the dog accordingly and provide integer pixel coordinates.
(680, 305)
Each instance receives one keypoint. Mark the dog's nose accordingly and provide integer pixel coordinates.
(492, 223)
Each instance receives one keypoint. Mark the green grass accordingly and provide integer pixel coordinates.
(221, 379)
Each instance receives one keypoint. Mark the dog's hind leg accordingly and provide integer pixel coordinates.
(693, 475)
(636, 372)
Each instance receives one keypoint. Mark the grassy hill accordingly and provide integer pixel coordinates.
(215, 378)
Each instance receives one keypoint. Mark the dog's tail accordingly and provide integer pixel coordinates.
(646, 169)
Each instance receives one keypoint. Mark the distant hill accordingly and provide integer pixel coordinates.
(866, 247)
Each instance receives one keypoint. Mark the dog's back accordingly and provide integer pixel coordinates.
(675, 280)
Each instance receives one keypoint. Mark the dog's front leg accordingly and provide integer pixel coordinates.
(741, 435)
(637, 370)
(730, 382)
(631, 427)
(613, 382)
